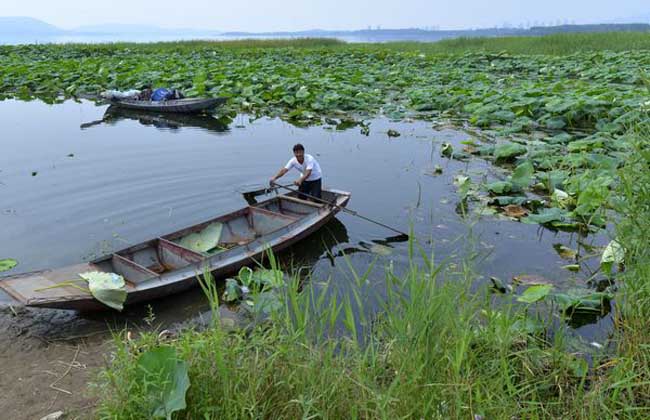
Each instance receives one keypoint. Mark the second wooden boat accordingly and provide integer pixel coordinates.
(183, 106)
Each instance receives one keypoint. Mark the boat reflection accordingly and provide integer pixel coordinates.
(162, 121)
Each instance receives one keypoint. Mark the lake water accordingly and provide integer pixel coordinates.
(73, 190)
(352, 37)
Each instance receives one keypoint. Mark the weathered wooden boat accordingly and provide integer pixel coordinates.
(183, 106)
(171, 120)
(161, 266)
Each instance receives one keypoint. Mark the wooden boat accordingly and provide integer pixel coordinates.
(161, 266)
(183, 106)
(162, 120)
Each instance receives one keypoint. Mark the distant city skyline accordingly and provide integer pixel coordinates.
(296, 15)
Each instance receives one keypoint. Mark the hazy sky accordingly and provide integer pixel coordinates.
(265, 15)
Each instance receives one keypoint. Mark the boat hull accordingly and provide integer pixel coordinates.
(179, 280)
(182, 106)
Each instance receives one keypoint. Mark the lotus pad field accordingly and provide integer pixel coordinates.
(556, 124)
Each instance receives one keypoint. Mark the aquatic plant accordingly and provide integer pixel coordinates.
(566, 116)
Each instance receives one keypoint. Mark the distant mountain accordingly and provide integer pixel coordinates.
(386, 35)
(604, 27)
(25, 25)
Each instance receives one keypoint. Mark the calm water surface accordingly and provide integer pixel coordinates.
(76, 184)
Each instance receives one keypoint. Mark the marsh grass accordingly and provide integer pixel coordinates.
(555, 44)
(628, 379)
(437, 348)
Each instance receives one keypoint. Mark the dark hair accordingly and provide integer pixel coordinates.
(298, 147)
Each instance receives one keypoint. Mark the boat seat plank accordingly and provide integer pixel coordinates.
(38, 284)
(173, 255)
(264, 221)
(305, 202)
(272, 213)
(132, 272)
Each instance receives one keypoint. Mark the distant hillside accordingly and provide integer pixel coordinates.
(384, 35)
(609, 27)
(26, 25)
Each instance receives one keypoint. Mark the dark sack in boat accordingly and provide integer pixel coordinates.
(162, 94)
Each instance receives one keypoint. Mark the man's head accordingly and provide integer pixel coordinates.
(299, 152)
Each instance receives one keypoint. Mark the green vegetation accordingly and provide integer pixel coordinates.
(565, 115)
(436, 350)
(439, 348)
(7, 264)
(556, 44)
(566, 118)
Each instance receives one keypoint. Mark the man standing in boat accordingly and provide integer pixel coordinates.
(309, 182)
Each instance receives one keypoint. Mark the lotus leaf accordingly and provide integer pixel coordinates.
(530, 279)
(523, 175)
(108, 288)
(577, 300)
(7, 264)
(535, 293)
(565, 252)
(500, 187)
(545, 216)
(509, 151)
(614, 254)
(513, 210)
(447, 150)
(164, 379)
(233, 291)
(205, 240)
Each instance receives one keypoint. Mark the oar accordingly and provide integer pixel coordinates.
(249, 196)
(346, 210)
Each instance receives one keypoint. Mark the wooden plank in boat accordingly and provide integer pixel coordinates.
(38, 284)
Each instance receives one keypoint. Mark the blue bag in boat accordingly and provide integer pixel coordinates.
(161, 94)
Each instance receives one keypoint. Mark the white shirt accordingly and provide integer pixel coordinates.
(308, 163)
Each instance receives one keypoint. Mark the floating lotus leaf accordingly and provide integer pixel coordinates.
(546, 216)
(535, 293)
(500, 187)
(509, 151)
(530, 279)
(565, 252)
(514, 210)
(7, 264)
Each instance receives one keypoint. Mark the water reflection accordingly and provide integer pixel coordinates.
(161, 121)
(115, 184)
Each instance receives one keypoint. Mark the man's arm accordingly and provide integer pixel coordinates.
(280, 174)
(303, 177)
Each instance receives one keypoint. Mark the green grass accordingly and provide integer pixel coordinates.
(630, 373)
(236, 44)
(556, 44)
(436, 350)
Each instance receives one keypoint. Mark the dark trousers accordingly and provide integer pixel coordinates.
(311, 188)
